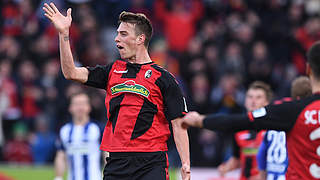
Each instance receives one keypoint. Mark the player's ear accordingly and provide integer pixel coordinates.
(141, 38)
(308, 70)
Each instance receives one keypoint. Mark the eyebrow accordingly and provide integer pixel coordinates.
(122, 31)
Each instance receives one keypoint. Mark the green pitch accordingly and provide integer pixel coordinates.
(39, 172)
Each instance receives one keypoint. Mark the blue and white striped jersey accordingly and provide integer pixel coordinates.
(273, 155)
(81, 145)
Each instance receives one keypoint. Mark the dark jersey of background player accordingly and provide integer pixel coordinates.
(140, 99)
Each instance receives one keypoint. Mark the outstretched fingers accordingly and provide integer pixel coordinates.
(48, 9)
(55, 9)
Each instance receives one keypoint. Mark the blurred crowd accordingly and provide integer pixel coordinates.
(215, 48)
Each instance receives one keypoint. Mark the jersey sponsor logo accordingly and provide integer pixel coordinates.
(249, 151)
(120, 72)
(148, 74)
(130, 86)
(259, 112)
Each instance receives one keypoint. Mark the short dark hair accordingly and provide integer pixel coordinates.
(142, 24)
(301, 87)
(313, 57)
(263, 86)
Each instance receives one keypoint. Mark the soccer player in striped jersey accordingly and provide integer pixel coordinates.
(79, 143)
(142, 101)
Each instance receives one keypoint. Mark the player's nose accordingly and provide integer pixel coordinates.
(116, 39)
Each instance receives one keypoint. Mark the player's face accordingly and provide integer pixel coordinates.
(80, 106)
(126, 40)
(255, 99)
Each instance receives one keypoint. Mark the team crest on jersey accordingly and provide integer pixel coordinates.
(148, 74)
(130, 86)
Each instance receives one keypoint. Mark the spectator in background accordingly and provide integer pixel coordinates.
(306, 35)
(3, 106)
(233, 60)
(31, 95)
(180, 22)
(272, 156)
(10, 48)
(18, 150)
(260, 65)
(42, 141)
(8, 87)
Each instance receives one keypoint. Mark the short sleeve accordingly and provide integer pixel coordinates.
(235, 147)
(98, 76)
(59, 144)
(174, 102)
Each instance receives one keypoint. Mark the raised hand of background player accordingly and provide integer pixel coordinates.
(193, 119)
(61, 23)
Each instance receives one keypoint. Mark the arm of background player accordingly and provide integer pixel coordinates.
(182, 143)
(62, 24)
(234, 161)
(232, 164)
(60, 164)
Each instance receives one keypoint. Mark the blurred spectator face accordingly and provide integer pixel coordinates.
(211, 54)
(313, 26)
(210, 29)
(5, 68)
(233, 50)
(51, 68)
(200, 88)
(80, 106)
(245, 33)
(26, 7)
(229, 84)
(126, 40)
(255, 99)
(195, 46)
(295, 12)
(27, 71)
(259, 51)
(9, 47)
(197, 65)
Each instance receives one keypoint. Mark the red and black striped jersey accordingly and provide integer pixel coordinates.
(141, 99)
(245, 147)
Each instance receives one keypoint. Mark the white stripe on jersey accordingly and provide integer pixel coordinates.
(81, 145)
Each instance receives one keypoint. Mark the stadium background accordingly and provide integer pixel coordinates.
(215, 48)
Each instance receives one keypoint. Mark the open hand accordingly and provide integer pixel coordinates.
(61, 23)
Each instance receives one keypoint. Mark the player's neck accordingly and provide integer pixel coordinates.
(142, 57)
(81, 121)
(315, 85)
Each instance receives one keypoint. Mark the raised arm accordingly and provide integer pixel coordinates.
(181, 139)
(62, 24)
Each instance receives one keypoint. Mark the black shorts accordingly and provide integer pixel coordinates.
(136, 166)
